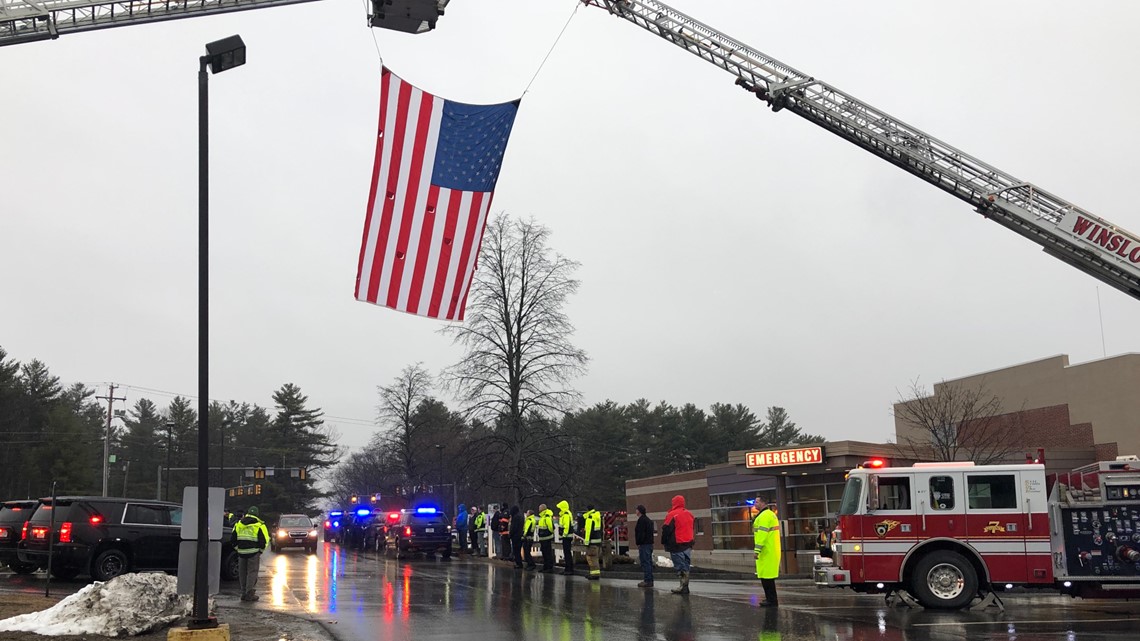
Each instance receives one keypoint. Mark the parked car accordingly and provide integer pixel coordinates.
(419, 530)
(106, 537)
(293, 531)
(13, 517)
(332, 525)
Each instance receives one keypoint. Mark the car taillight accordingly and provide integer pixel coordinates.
(24, 532)
(96, 519)
(65, 532)
(3, 532)
(408, 531)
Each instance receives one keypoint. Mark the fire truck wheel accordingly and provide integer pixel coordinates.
(944, 580)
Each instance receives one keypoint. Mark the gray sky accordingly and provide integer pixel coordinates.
(729, 254)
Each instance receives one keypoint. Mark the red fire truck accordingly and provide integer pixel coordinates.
(946, 533)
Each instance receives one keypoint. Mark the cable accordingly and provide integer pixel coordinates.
(540, 65)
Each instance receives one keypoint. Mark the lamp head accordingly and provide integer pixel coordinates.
(224, 54)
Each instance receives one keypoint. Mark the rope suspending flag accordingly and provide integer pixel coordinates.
(436, 165)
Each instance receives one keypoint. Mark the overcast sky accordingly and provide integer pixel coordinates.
(729, 254)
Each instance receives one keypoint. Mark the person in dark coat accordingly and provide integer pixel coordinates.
(515, 531)
(643, 534)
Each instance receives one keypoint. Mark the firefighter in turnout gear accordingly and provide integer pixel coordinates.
(530, 525)
(546, 537)
(593, 538)
(566, 525)
(250, 537)
(766, 545)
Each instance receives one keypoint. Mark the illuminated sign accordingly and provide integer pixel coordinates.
(797, 456)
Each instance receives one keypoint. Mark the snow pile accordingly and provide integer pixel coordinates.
(127, 605)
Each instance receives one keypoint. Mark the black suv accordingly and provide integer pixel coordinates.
(107, 536)
(13, 516)
(293, 531)
(423, 529)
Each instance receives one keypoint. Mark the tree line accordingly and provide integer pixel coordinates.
(53, 433)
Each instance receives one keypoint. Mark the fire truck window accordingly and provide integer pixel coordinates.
(942, 492)
(992, 492)
(894, 492)
(851, 494)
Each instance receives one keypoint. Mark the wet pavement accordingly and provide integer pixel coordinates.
(357, 596)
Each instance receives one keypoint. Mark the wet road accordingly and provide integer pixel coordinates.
(365, 597)
(375, 598)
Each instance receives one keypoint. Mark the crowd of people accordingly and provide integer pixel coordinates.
(513, 533)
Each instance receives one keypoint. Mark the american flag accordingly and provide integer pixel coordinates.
(436, 166)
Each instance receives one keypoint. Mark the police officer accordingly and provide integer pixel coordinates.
(566, 524)
(766, 540)
(593, 538)
(478, 524)
(250, 537)
(546, 537)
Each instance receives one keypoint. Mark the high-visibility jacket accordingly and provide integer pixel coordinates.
(480, 519)
(565, 519)
(250, 535)
(593, 532)
(545, 525)
(766, 544)
(528, 526)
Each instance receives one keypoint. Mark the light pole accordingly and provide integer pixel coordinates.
(221, 55)
(169, 442)
(439, 448)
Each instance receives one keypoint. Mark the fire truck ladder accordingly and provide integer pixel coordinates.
(31, 20)
(1065, 231)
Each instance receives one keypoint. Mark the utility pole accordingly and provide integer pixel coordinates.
(110, 398)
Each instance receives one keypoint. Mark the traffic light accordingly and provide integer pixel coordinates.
(241, 491)
(302, 474)
(376, 497)
(257, 488)
(259, 473)
(354, 499)
(231, 491)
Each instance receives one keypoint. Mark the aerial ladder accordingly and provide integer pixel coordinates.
(1063, 229)
(33, 20)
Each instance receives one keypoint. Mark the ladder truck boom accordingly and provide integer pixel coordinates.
(33, 20)
(1064, 230)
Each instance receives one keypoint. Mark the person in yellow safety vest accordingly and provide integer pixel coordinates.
(250, 537)
(546, 537)
(766, 545)
(593, 538)
(566, 525)
(477, 532)
(529, 527)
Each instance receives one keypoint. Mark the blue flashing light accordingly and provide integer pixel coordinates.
(750, 501)
(336, 523)
(363, 511)
(336, 513)
(426, 510)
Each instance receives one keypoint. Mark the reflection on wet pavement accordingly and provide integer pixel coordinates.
(375, 598)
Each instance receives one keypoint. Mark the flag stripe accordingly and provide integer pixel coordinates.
(408, 115)
(413, 211)
(467, 256)
(451, 202)
(388, 175)
(425, 251)
(462, 215)
(478, 244)
(372, 222)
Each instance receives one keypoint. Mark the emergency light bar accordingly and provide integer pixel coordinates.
(363, 511)
(425, 510)
(336, 513)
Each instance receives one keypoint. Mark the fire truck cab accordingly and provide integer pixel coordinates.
(946, 533)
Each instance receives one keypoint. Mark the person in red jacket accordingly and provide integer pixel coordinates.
(677, 537)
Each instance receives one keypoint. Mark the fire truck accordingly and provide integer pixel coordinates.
(943, 534)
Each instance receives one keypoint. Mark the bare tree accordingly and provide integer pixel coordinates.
(397, 410)
(957, 423)
(518, 358)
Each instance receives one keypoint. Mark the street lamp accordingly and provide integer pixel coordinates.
(169, 442)
(221, 55)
